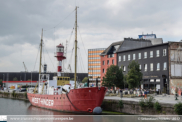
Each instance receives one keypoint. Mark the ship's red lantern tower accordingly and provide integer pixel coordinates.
(60, 56)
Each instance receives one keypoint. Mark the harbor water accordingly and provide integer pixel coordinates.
(23, 111)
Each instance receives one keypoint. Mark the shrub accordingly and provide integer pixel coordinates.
(25, 95)
(157, 106)
(163, 112)
(142, 103)
(13, 94)
(150, 102)
(178, 108)
(6, 94)
(120, 104)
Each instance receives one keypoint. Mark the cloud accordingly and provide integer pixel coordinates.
(100, 23)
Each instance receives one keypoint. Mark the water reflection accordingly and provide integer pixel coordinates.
(32, 110)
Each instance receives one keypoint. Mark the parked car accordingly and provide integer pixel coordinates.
(23, 88)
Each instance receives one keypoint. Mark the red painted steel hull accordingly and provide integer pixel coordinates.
(77, 100)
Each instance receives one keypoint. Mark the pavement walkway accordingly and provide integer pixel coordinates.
(170, 99)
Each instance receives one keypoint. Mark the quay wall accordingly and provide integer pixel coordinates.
(21, 95)
(128, 107)
(131, 107)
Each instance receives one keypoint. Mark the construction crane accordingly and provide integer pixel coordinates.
(69, 67)
(26, 70)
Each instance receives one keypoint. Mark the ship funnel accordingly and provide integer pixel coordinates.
(45, 68)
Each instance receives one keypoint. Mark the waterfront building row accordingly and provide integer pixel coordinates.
(160, 63)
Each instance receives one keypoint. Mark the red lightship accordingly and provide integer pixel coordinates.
(61, 93)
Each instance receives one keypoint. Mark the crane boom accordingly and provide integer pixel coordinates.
(26, 70)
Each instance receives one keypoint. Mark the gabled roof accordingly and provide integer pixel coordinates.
(105, 52)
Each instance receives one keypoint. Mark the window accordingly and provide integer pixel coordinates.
(151, 80)
(165, 66)
(157, 53)
(128, 57)
(107, 62)
(119, 58)
(133, 56)
(139, 55)
(157, 80)
(145, 67)
(123, 57)
(103, 62)
(151, 67)
(164, 52)
(151, 54)
(140, 67)
(113, 61)
(103, 71)
(124, 68)
(145, 54)
(110, 55)
(60, 49)
(158, 66)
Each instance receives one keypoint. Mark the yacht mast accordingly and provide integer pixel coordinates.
(75, 44)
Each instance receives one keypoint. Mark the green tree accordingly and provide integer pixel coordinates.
(125, 80)
(1, 82)
(113, 77)
(85, 79)
(134, 75)
(15, 79)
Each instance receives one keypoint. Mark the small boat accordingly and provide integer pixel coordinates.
(61, 93)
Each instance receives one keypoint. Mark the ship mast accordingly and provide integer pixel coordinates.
(75, 44)
(40, 56)
(41, 52)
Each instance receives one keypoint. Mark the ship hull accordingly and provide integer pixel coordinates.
(77, 100)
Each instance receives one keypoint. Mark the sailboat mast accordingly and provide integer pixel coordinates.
(75, 44)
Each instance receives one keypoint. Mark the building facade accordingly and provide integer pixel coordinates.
(160, 64)
(109, 55)
(94, 65)
(153, 62)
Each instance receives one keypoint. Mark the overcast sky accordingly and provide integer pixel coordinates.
(100, 22)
